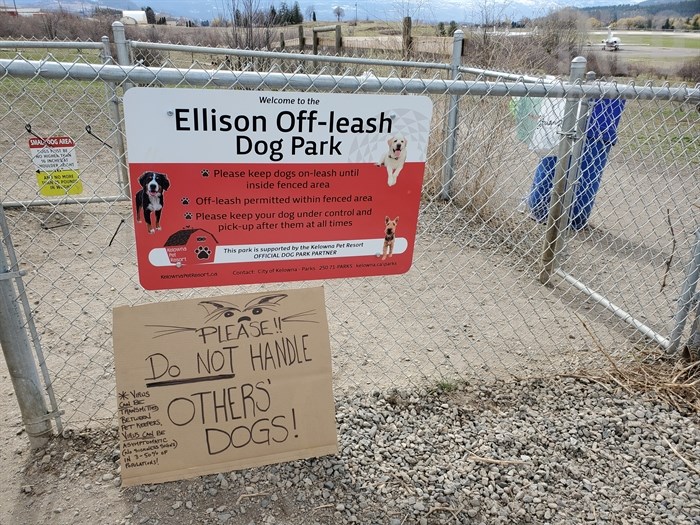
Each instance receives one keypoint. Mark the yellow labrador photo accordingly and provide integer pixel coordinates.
(394, 159)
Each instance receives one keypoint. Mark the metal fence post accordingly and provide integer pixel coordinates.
(122, 48)
(115, 117)
(686, 299)
(557, 212)
(574, 172)
(448, 172)
(19, 358)
(692, 347)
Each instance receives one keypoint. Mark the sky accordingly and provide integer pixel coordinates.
(461, 11)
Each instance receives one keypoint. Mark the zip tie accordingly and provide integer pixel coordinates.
(89, 132)
(28, 127)
(117, 231)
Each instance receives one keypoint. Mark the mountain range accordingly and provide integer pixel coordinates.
(462, 11)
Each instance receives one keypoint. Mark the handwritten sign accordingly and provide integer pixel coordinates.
(248, 186)
(210, 385)
(57, 166)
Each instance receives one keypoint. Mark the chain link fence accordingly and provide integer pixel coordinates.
(473, 307)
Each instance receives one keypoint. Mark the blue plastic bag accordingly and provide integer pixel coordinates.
(601, 134)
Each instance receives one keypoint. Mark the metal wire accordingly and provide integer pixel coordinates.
(471, 308)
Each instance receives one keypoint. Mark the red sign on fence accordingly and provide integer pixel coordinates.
(240, 187)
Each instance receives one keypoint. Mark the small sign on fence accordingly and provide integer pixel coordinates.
(210, 385)
(57, 166)
(240, 187)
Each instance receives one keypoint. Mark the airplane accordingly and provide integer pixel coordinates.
(611, 43)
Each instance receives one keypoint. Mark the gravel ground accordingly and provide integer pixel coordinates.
(546, 451)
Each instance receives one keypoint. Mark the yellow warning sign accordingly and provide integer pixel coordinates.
(58, 183)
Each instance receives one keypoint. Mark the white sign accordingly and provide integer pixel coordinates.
(57, 165)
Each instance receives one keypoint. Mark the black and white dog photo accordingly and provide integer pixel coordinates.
(150, 198)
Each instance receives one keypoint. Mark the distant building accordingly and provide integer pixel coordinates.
(21, 11)
(133, 17)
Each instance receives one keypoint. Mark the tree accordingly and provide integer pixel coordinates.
(310, 10)
(452, 28)
(295, 15)
(489, 13)
(411, 8)
(563, 33)
(284, 15)
(150, 16)
(250, 22)
(339, 12)
(594, 23)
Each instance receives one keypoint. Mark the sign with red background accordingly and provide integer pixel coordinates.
(270, 187)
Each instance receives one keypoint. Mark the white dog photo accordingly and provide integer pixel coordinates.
(394, 159)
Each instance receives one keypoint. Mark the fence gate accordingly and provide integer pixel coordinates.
(471, 309)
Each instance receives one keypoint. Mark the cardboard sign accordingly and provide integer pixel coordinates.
(240, 187)
(210, 385)
(57, 166)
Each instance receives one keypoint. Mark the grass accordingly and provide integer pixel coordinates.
(662, 40)
(670, 129)
(61, 55)
(677, 381)
(652, 38)
(669, 63)
(381, 28)
(448, 385)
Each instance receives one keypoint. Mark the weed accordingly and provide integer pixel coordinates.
(448, 385)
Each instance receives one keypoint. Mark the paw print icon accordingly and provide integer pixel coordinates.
(205, 173)
(202, 252)
(188, 216)
(185, 201)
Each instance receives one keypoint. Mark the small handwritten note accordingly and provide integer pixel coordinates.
(217, 384)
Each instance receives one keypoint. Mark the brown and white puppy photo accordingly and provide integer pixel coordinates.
(395, 158)
(389, 237)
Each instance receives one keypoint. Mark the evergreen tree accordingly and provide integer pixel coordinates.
(150, 16)
(284, 14)
(296, 16)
